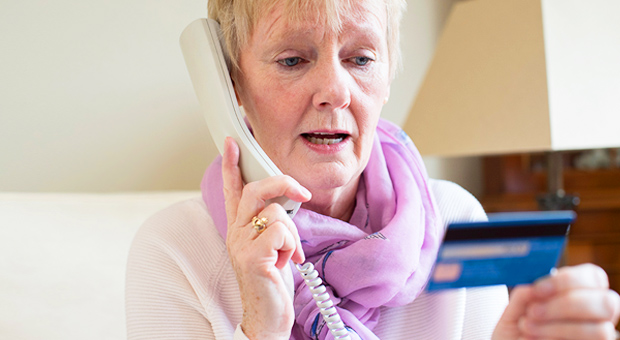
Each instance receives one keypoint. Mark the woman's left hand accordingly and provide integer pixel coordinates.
(575, 303)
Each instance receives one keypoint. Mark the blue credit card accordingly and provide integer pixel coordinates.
(508, 249)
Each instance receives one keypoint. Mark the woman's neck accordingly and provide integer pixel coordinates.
(337, 203)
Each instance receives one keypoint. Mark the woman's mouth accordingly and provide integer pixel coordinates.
(324, 138)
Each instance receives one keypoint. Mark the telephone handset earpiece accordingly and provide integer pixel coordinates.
(200, 43)
(206, 63)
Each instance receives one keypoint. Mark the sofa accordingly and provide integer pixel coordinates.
(62, 261)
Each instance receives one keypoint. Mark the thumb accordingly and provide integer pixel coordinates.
(508, 325)
(517, 306)
(231, 175)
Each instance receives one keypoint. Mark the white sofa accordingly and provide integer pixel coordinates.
(62, 262)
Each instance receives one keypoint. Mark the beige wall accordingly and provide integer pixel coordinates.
(421, 29)
(95, 95)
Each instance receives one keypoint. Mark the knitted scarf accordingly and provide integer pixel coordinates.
(381, 257)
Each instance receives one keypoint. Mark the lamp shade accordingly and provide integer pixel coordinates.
(514, 76)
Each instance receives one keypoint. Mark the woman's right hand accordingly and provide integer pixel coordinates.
(261, 260)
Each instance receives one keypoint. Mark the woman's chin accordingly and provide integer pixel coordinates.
(327, 178)
(325, 174)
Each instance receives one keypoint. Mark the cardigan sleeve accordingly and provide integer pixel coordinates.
(179, 282)
(483, 305)
(159, 300)
(483, 308)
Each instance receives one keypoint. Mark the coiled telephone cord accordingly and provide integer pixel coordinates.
(323, 301)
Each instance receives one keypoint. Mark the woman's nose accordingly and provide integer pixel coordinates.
(331, 82)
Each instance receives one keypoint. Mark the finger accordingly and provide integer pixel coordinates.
(280, 244)
(568, 278)
(231, 175)
(256, 193)
(567, 330)
(517, 306)
(277, 213)
(615, 297)
(275, 246)
(593, 305)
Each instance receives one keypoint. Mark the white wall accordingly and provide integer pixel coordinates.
(95, 96)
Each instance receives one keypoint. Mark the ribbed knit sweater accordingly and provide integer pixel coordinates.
(181, 285)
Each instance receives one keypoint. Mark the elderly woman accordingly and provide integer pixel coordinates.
(312, 77)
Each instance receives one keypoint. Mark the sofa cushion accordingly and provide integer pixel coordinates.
(62, 261)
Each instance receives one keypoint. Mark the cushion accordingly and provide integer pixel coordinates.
(62, 261)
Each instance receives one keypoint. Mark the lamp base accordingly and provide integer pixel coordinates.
(556, 198)
(557, 201)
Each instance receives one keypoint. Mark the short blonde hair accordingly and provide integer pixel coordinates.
(237, 19)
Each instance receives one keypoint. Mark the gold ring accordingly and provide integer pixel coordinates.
(260, 224)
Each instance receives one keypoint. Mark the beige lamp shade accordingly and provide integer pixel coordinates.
(514, 76)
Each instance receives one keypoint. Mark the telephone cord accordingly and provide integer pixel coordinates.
(323, 301)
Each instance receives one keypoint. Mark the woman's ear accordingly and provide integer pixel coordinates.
(387, 96)
(236, 91)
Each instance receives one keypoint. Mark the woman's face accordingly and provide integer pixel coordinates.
(313, 97)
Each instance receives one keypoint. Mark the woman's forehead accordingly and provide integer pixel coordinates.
(332, 16)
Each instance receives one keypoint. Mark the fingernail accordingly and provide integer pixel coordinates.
(544, 288)
(226, 144)
(301, 258)
(306, 192)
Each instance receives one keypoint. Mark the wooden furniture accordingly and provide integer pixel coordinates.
(513, 182)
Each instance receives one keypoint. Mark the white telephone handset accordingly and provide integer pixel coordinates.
(206, 63)
(204, 58)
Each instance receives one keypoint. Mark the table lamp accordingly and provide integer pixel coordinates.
(513, 76)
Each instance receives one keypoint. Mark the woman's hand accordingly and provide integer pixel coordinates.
(261, 260)
(575, 303)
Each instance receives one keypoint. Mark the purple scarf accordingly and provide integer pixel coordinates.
(382, 257)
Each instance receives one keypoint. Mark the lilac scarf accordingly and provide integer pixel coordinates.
(382, 257)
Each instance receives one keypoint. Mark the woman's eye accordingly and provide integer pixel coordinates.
(361, 61)
(292, 61)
